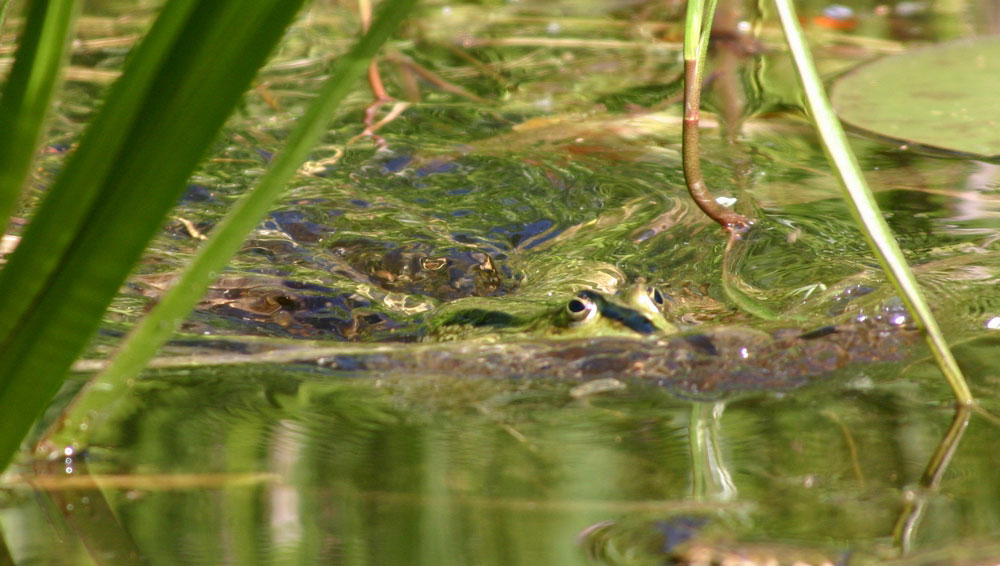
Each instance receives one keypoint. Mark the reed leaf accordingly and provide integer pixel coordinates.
(28, 91)
(227, 236)
(175, 93)
(862, 202)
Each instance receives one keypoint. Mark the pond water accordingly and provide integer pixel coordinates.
(539, 156)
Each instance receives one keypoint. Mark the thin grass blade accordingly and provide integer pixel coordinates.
(228, 235)
(203, 59)
(28, 91)
(862, 202)
(69, 200)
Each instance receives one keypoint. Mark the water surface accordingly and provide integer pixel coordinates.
(562, 161)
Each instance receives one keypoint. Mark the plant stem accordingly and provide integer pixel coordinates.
(696, 36)
(862, 202)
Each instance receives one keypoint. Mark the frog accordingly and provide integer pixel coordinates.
(598, 333)
(702, 540)
(638, 311)
(445, 274)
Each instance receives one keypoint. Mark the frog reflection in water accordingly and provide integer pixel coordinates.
(636, 313)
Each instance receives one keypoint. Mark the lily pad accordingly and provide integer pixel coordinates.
(944, 97)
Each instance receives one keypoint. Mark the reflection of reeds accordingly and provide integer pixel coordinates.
(143, 482)
(915, 501)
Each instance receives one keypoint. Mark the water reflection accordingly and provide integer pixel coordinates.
(710, 478)
(236, 467)
(279, 463)
(916, 500)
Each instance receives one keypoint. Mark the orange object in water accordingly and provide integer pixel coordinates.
(837, 17)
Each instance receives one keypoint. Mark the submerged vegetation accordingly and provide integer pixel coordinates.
(478, 213)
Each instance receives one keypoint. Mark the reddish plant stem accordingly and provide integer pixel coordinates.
(374, 81)
(728, 219)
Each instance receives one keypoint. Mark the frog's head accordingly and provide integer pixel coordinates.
(636, 312)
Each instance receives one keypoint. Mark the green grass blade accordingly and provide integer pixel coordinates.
(698, 31)
(692, 28)
(28, 91)
(228, 235)
(863, 205)
(69, 200)
(706, 34)
(184, 97)
(4, 9)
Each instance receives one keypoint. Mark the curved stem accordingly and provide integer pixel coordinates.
(696, 34)
(729, 219)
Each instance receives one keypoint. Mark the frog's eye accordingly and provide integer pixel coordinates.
(433, 263)
(581, 309)
(656, 296)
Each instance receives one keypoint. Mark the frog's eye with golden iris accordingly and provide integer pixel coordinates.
(433, 263)
(581, 309)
